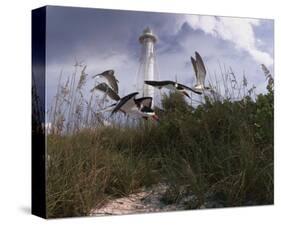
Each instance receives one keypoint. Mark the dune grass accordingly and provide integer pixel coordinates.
(222, 148)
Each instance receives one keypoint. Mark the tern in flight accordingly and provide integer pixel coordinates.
(129, 105)
(171, 85)
(103, 87)
(109, 76)
(200, 73)
(138, 108)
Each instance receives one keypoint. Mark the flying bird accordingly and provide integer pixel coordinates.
(140, 108)
(103, 87)
(109, 76)
(171, 85)
(144, 102)
(200, 73)
(136, 107)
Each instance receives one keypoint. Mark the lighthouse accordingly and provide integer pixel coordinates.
(147, 62)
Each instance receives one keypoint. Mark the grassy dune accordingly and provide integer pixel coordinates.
(220, 147)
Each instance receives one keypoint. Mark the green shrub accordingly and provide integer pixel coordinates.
(223, 148)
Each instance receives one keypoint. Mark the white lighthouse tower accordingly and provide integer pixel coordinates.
(147, 63)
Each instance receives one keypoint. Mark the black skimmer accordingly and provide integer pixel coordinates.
(139, 108)
(109, 76)
(136, 107)
(200, 73)
(103, 87)
(171, 85)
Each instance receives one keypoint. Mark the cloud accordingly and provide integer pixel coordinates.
(108, 39)
(122, 63)
(239, 31)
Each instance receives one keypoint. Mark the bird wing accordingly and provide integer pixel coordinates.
(193, 61)
(113, 82)
(126, 103)
(109, 76)
(144, 102)
(103, 87)
(181, 87)
(160, 84)
(201, 70)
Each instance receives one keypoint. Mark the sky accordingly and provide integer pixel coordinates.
(108, 39)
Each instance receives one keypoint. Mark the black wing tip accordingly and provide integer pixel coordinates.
(197, 92)
(198, 56)
(114, 110)
(159, 82)
(106, 71)
(186, 94)
(135, 93)
(196, 53)
(130, 95)
(191, 89)
(151, 82)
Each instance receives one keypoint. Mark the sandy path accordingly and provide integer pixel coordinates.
(141, 202)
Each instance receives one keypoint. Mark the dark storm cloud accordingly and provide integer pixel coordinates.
(105, 39)
(71, 30)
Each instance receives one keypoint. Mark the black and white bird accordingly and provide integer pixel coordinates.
(137, 108)
(172, 85)
(109, 76)
(103, 87)
(200, 73)
(129, 105)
